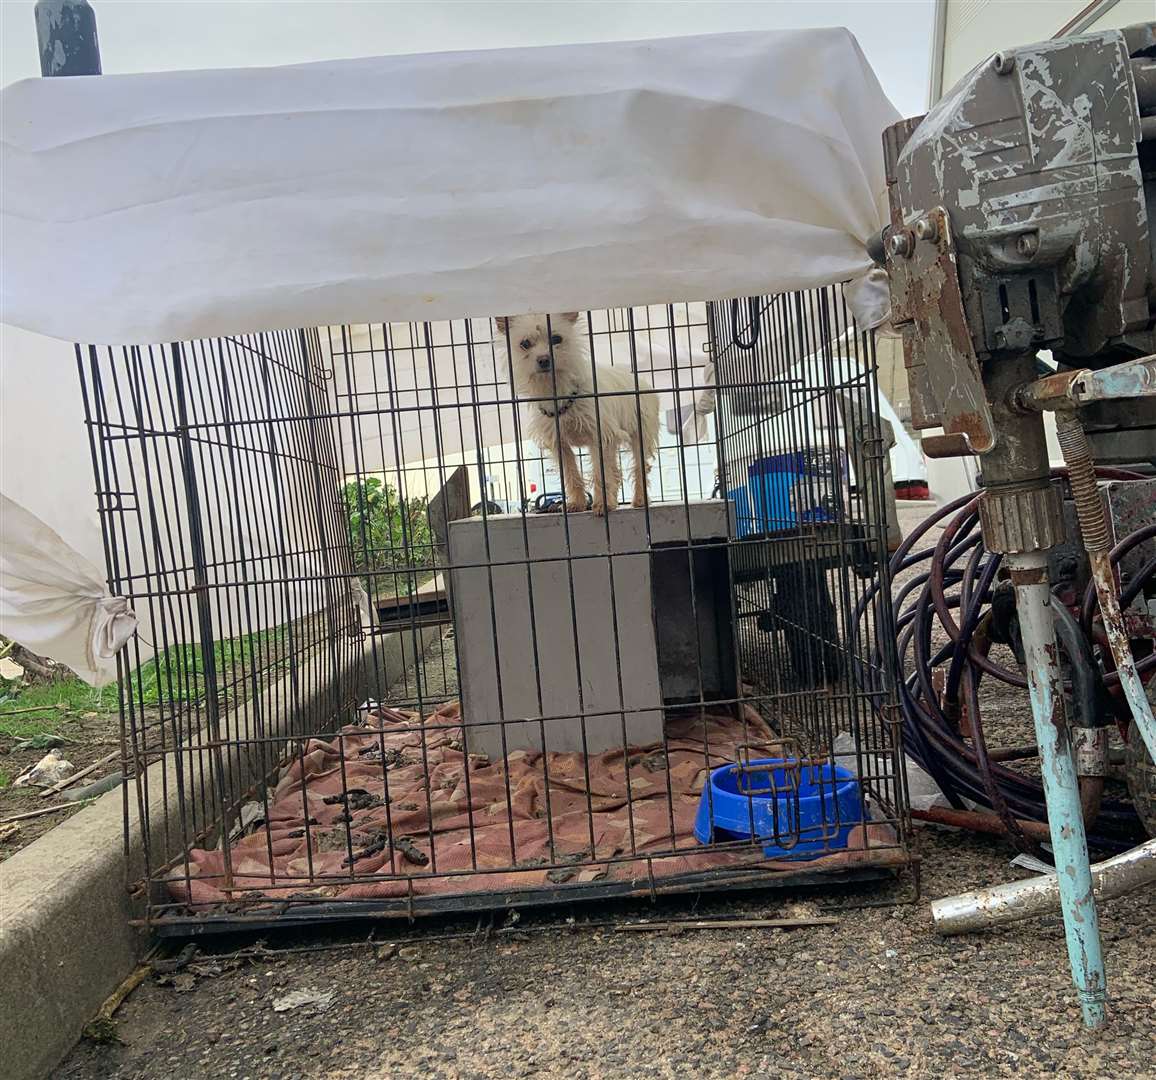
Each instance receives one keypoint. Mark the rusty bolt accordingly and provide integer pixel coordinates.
(1003, 63)
(899, 244)
(927, 228)
(1028, 244)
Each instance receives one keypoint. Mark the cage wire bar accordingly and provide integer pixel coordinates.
(383, 669)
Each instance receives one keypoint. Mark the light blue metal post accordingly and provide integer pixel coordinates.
(1061, 790)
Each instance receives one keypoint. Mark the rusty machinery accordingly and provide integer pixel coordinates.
(1020, 224)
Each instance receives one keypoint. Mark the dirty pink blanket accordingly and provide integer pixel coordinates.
(396, 808)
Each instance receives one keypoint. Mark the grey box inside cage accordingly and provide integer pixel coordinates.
(534, 611)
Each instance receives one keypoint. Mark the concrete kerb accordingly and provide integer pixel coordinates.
(65, 939)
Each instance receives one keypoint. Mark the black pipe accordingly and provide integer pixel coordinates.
(1087, 694)
(66, 34)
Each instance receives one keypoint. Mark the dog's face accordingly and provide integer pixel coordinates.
(543, 348)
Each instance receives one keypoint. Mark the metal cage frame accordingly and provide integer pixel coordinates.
(279, 509)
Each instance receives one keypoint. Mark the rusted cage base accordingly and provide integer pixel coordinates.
(731, 880)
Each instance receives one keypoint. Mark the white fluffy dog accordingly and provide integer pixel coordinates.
(553, 373)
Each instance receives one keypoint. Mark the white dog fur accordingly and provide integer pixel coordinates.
(555, 377)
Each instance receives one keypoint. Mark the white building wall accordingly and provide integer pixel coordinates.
(974, 29)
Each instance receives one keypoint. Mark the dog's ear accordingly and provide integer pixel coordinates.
(570, 316)
(502, 322)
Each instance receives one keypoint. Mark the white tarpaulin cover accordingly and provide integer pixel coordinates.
(145, 208)
(152, 208)
(54, 601)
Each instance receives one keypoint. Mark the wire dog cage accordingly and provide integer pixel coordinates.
(387, 665)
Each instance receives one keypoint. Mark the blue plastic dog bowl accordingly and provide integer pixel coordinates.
(796, 810)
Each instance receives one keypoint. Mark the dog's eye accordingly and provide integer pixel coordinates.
(526, 343)
(556, 339)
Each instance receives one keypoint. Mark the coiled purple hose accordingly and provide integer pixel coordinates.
(957, 576)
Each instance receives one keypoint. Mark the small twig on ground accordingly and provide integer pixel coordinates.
(100, 1028)
(44, 810)
(171, 965)
(68, 781)
(730, 924)
(261, 952)
(59, 706)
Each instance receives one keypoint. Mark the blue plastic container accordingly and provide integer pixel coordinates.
(745, 523)
(770, 500)
(820, 807)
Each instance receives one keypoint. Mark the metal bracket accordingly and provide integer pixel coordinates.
(927, 304)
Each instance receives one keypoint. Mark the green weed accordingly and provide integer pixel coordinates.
(175, 676)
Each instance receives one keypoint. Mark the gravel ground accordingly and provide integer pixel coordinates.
(878, 994)
(569, 994)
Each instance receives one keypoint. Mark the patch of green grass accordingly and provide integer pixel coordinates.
(5, 780)
(176, 675)
(55, 702)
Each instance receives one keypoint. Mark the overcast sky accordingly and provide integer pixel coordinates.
(152, 35)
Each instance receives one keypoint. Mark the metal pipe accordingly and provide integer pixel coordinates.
(1091, 798)
(1017, 900)
(1089, 741)
(1065, 390)
(1029, 573)
(1117, 634)
(1094, 530)
(1144, 75)
(978, 821)
(66, 33)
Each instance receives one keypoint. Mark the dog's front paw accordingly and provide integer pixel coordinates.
(601, 509)
(577, 505)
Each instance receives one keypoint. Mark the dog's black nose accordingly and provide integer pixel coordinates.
(543, 363)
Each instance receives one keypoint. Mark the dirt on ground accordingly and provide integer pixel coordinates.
(88, 736)
(54, 709)
(571, 994)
